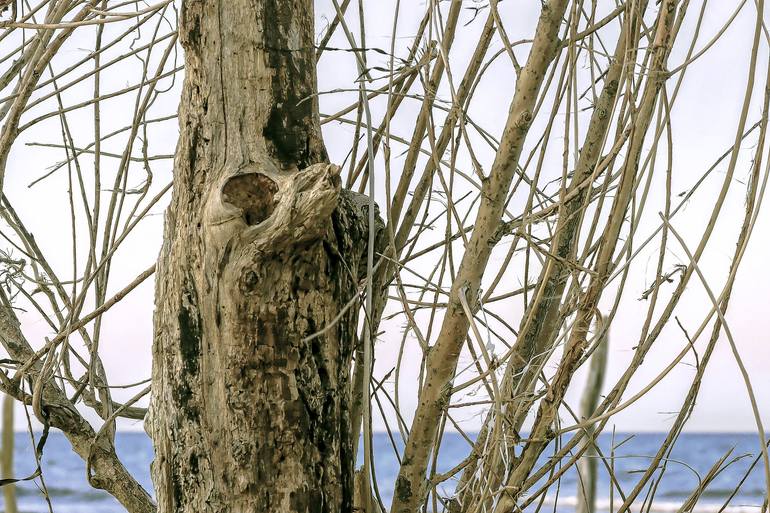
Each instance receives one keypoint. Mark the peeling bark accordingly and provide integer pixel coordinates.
(261, 259)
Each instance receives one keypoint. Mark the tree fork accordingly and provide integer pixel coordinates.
(257, 278)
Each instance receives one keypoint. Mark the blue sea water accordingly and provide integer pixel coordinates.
(694, 454)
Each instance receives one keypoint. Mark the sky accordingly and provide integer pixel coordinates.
(703, 120)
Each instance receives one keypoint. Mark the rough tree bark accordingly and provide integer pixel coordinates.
(261, 261)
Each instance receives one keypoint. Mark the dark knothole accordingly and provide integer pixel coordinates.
(254, 194)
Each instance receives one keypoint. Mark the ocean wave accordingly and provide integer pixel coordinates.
(659, 506)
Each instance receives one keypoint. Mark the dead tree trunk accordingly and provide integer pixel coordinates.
(254, 328)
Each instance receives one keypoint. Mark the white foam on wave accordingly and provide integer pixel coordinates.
(603, 505)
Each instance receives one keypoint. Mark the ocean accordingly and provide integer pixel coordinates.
(694, 454)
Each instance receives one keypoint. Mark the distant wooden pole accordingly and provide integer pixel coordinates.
(6, 455)
(586, 491)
